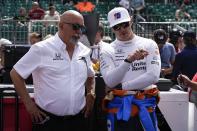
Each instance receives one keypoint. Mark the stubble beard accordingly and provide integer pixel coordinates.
(74, 40)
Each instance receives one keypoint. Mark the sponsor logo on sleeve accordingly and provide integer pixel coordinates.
(155, 62)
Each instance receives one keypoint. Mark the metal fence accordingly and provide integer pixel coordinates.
(18, 33)
(146, 29)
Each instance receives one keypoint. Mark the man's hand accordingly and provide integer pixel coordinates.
(36, 115)
(138, 55)
(183, 79)
(89, 104)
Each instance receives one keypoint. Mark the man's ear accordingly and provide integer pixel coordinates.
(60, 25)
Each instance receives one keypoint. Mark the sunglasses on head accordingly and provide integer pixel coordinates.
(118, 26)
(77, 27)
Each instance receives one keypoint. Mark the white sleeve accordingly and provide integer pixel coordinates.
(29, 62)
(112, 75)
(151, 76)
(91, 72)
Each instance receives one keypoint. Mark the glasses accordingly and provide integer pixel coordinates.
(77, 27)
(118, 26)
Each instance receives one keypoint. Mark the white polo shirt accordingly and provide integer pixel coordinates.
(58, 81)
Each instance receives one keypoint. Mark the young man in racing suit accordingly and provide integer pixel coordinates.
(130, 66)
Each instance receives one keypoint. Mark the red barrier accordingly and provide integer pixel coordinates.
(9, 112)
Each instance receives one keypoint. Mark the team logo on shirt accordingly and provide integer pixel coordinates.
(119, 51)
(58, 56)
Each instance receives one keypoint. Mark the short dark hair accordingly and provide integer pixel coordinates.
(160, 36)
(189, 38)
(174, 35)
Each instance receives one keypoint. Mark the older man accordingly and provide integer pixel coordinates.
(62, 73)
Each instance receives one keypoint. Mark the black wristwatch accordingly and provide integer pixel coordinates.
(126, 60)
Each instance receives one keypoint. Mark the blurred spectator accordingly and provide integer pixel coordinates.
(68, 2)
(34, 38)
(36, 12)
(47, 12)
(124, 3)
(4, 41)
(189, 83)
(185, 61)
(176, 38)
(85, 6)
(22, 16)
(51, 16)
(167, 52)
(181, 13)
(98, 43)
(192, 84)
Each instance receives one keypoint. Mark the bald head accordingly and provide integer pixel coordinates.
(69, 15)
(70, 24)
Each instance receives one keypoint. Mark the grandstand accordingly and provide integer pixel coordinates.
(158, 14)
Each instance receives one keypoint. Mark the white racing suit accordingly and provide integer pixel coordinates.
(138, 75)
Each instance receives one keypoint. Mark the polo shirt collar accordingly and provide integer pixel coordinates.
(60, 43)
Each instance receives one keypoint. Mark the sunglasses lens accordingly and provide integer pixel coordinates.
(76, 26)
(79, 27)
(116, 27)
(124, 25)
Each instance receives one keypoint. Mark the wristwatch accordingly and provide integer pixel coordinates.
(126, 60)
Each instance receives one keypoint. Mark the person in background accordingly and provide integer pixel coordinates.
(191, 84)
(185, 61)
(97, 47)
(22, 16)
(167, 52)
(98, 44)
(181, 13)
(4, 41)
(130, 66)
(56, 12)
(63, 77)
(34, 38)
(176, 38)
(36, 13)
(51, 16)
(187, 82)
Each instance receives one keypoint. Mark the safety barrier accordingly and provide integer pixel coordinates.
(13, 115)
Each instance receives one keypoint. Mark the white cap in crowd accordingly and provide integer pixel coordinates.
(5, 41)
(118, 15)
